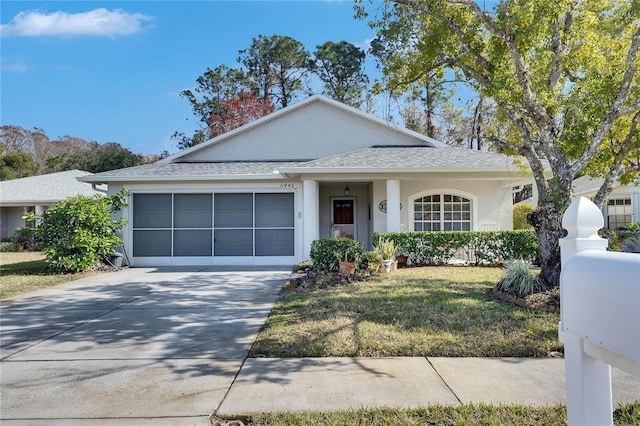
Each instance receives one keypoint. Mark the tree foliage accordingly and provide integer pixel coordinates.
(79, 231)
(95, 158)
(237, 111)
(273, 71)
(26, 153)
(16, 164)
(278, 66)
(562, 77)
(340, 66)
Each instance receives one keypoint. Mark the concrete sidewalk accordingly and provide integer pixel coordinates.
(335, 384)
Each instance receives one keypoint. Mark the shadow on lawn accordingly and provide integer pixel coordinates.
(420, 317)
(32, 267)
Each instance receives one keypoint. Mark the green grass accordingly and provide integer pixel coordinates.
(471, 414)
(26, 271)
(432, 311)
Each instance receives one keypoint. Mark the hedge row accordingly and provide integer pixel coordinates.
(476, 247)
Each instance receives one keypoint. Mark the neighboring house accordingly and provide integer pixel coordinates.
(621, 208)
(36, 194)
(260, 194)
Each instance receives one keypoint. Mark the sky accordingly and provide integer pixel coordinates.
(112, 71)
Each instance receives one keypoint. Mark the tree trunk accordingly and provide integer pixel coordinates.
(547, 222)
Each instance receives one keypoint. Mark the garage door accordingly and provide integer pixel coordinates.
(213, 225)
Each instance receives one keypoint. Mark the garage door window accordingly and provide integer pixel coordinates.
(222, 224)
(152, 224)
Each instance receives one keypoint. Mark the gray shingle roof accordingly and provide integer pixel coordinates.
(586, 184)
(45, 189)
(412, 159)
(187, 171)
(372, 160)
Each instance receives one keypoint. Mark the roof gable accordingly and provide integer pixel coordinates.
(314, 128)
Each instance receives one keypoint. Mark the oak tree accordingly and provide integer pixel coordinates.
(562, 76)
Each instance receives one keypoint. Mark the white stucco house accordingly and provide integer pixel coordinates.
(36, 194)
(262, 193)
(621, 208)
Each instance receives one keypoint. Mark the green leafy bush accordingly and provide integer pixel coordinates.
(520, 212)
(370, 262)
(478, 247)
(519, 279)
(78, 231)
(325, 253)
(8, 246)
(24, 238)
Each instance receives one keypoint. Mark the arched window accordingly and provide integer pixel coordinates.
(442, 212)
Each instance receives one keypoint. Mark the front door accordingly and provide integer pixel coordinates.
(343, 218)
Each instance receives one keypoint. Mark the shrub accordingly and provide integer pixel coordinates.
(78, 231)
(518, 278)
(24, 238)
(325, 253)
(480, 247)
(520, 212)
(370, 262)
(8, 246)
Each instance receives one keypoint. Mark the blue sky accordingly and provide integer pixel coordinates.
(112, 71)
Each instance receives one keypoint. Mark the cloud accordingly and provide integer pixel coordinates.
(15, 66)
(98, 22)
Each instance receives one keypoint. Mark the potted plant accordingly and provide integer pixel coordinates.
(387, 248)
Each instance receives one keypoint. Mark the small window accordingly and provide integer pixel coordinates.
(442, 212)
(619, 213)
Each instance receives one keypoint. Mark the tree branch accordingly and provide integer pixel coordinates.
(617, 168)
(616, 108)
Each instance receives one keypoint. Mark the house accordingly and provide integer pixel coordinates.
(36, 194)
(621, 208)
(260, 194)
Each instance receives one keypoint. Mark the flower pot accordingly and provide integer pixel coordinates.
(387, 264)
(346, 268)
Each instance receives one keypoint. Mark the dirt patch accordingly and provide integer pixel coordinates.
(306, 281)
(547, 301)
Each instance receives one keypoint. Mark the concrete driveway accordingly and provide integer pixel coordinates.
(158, 345)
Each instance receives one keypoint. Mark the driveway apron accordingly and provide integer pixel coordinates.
(129, 346)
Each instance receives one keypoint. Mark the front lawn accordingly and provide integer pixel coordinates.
(430, 311)
(26, 271)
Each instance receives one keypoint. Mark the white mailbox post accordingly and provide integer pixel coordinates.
(599, 315)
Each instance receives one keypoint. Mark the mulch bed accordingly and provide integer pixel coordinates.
(547, 301)
(309, 280)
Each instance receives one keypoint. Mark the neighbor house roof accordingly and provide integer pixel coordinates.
(586, 185)
(45, 189)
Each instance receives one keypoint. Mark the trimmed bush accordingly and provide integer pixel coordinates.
(79, 231)
(474, 247)
(518, 278)
(325, 253)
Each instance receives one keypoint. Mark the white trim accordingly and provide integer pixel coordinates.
(447, 191)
